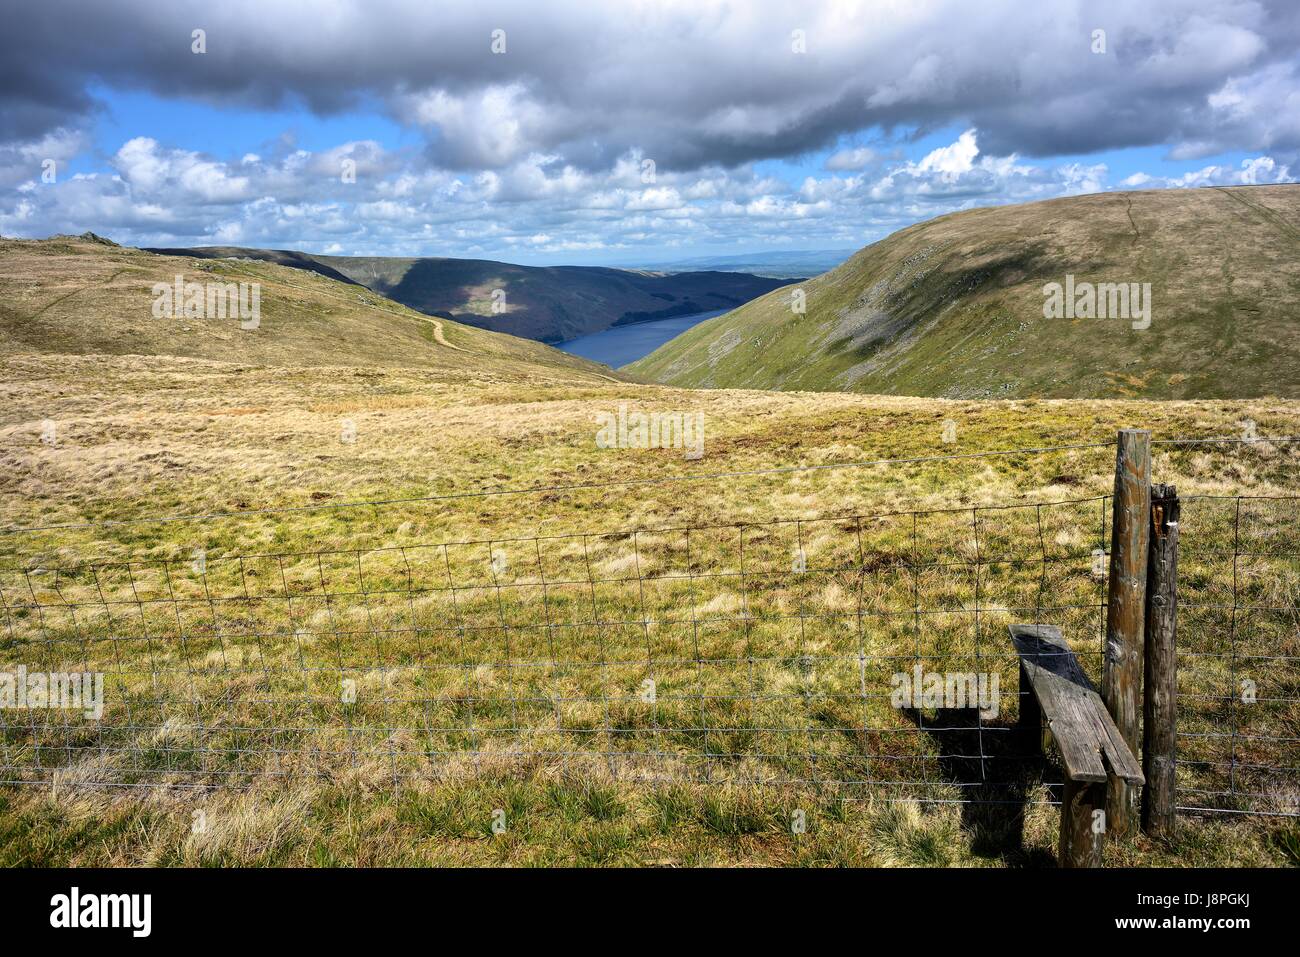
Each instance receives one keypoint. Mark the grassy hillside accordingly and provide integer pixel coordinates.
(953, 307)
(78, 295)
(547, 303)
(244, 691)
(140, 437)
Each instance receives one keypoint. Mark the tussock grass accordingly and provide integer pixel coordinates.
(148, 437)
(450, 824)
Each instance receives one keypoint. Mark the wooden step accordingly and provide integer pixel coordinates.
(1091, 745)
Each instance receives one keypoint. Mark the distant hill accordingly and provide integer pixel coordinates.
(284, 257)
(785, 264)
(954, 307)
(83, 295)
(547, 303)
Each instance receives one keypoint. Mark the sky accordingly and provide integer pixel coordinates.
(622, 132)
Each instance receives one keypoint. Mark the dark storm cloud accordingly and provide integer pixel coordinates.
(690, 84)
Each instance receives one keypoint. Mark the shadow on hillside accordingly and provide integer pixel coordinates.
(996, 763)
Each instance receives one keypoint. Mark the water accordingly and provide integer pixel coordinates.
(623, 344)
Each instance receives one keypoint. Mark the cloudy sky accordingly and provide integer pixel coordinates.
(619, 132)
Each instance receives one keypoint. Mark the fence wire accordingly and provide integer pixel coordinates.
(1239, 654)
(758, 653)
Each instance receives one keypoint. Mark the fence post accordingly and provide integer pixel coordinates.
(1160, 677)
(1121, 684)
(1079, 842)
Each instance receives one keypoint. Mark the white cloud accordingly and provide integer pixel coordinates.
(149, 170)
(953, 159)
(540, 206)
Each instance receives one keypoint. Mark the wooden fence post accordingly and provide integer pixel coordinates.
(1160, 677)
(1121, 684)
(1080, 840)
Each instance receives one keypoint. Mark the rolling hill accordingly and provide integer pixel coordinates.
(547, 303)
(84, 295)
(954, 307)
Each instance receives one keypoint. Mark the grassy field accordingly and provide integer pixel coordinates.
(144, 438)
(231, 676)
(953, 307)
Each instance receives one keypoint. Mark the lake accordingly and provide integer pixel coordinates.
(623, 344)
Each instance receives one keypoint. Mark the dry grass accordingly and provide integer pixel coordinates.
(140, 438)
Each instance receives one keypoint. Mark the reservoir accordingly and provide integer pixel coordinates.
(620, 345)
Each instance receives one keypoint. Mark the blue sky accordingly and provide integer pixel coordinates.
(764, 129)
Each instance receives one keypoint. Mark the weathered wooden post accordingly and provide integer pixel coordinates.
(1160, 676)
(1121, 684)
(1080, 840)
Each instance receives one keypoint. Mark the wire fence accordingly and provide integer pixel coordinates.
(1239, 654)
(762, 653)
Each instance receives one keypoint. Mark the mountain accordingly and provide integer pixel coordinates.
(784, 264)
(83, 295)
(955, 307)
(547, 303)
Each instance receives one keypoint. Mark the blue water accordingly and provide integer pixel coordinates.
(623, 344)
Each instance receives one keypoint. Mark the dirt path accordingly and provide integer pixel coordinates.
(440, 338)
(1267, 213)
(1137, 233)
(68, 295)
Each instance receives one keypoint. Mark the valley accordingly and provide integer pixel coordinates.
(547, 303)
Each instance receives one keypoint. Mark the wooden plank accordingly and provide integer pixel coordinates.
(1160, 678)
(1121, 685)
(1091, 746)
(1061, 688)
(1030, 720)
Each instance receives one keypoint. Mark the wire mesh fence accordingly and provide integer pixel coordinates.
(796, 651)
(1239, 654)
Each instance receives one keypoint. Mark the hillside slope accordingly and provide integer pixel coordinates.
(87, 296)
(547, 303)
(954, 307)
